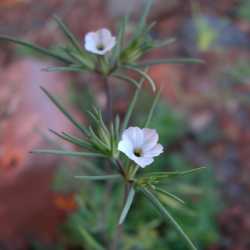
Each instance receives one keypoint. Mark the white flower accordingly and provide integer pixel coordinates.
(140, 145)
(99, 42)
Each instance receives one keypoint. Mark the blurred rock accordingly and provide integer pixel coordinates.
(28, 209)
(169, 78)
(159, 7)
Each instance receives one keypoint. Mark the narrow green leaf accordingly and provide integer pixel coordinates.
(74, 141)
(163, 174)
(167, 61)
(65, 69)
(120, 38)
(63, 110)
(165, 192)
(66, 153)
(95, 139)
(101, 122)
(165, 214)
(142, 74)
(143, 18)
(36, 48)
(112, 138)
(127, 79)
(93, 116)
(117, 127)
(152, 109)
(132, 105)
(89, 239)
(159, 44)
(84, 59)
(127, 206)
(68, 34)
(99, 177)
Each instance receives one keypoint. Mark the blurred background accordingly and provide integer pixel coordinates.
(203, 119)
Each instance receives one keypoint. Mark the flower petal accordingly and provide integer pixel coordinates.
(110, 45)
(90, 41)
(145, 141)
(134, 135)
(143, 161)
(150, 138)
(126, 147)
(102, 37)
(155, 151)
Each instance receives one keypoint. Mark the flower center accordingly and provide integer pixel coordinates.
(100, 47)
(138, 152)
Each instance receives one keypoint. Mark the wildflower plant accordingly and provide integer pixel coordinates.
(129, 149)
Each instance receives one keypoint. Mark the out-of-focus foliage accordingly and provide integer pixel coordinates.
(244, 10)
(239, 73)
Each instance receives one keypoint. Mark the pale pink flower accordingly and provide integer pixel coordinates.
(140, 145)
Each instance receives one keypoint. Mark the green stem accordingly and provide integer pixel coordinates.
(119, 227)
(109, 103)
(134, 171)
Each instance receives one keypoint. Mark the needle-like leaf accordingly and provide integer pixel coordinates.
(127, 79)
(120, 37)
(165, 192)
(88, 239)
(127, 206)
(132, 106)
(142, 74)
(165, 214)
(66, 113)
(36, 48)
(75, 141)
(117, 127)
(65, 69)
(68, 34)
(152, 109)
(66, 153)
(165, 174)
(143, 20)
(99, 177)
(83, 59)
(159, 44)
(167, 61)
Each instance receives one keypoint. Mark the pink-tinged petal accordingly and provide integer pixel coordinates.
(134, 135)
(143, 161)
(103, 38)
(140, 145)
(111, 44)
(150, 138)
(104, 35)
(155, 151)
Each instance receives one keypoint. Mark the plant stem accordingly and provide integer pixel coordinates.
(119, 227)
(121, 169)
(109, 105)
